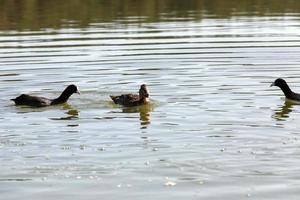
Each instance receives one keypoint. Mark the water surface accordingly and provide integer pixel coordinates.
(214, 130)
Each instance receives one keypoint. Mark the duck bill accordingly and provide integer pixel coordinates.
(273, 84)
(78, 92)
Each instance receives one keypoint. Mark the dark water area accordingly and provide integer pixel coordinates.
(38, 14)
(214, 128)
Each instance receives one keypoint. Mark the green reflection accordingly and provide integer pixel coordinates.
(144, 111)
(282, 113)
(72, 114)
(56, 14)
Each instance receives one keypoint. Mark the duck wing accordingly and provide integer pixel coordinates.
(34, 101)
(126, 99)
(293, 96)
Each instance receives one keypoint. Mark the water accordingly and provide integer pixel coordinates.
(214, 129)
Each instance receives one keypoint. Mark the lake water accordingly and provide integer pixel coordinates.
(214, 129)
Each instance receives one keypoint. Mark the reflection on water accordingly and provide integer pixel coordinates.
(39, 14)
(28, 109)
(283, 112)
(71, 115)
(144, 111)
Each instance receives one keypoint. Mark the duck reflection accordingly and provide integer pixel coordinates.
(71, 112)
(282, 113)
(144, 111)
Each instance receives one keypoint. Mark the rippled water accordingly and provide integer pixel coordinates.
(214, 129)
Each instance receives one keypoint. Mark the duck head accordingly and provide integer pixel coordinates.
(144, 92)
(279, 83)
(282, 84)
(71, 89)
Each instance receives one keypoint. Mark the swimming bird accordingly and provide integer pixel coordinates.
(286, 89)
(25, 99)
(129, 100)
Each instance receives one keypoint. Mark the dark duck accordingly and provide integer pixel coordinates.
(289, 94)
(129, 100)
(34, 101)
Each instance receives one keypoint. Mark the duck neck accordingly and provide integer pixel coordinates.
(143, 100)
(65, 95)
(287, 91)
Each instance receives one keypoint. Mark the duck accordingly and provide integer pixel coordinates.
(289, 94)
(35, 101)
(130, 100)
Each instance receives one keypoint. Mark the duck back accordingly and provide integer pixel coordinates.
(25, 99)
(127, 100)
